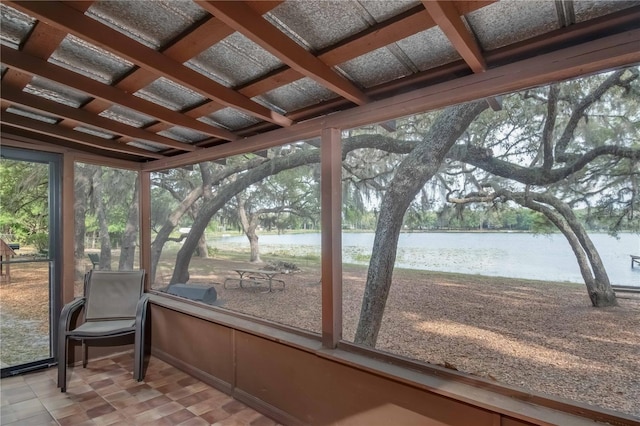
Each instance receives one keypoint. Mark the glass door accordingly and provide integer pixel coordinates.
(29, 258)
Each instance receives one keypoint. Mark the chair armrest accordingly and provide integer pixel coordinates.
(67, 312)
(141, 310)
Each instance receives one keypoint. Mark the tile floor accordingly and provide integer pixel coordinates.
(105, 394)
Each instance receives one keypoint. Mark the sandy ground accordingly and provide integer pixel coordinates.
(24, 314)
(539, 336)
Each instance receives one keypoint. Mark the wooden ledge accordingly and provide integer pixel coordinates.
(509, 401)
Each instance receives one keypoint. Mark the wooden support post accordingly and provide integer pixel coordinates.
(68, 228)
(331, 197)
(145, 225)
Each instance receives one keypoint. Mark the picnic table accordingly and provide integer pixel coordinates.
(256, 277)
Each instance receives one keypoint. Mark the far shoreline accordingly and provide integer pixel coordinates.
(236, 233)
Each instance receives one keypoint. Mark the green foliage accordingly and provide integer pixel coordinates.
(118, 186)
(24, 199)
(212, 251)
(361, 257)
(287, 254)
(480, 217)
(40, 241)
(162, 203)
(542, 225)
(287, 200)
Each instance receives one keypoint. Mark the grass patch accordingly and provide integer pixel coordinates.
(361, 257)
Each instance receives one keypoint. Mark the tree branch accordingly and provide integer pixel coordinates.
(537, 176)
(549, 124)
(579, 112)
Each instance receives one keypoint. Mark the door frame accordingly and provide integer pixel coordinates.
(55, 162)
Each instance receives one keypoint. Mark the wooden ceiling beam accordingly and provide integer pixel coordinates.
(544, 43)
(17, 97)
(244, 19)
(390, 31)
(395, 29)
(202, 37)
(41, 43)
(589, 57)
(447, 16)
(206, 35)
(21, 138)
(35, 66)
(186, 46)
(68, 19)
(182, 49)
(17, 121)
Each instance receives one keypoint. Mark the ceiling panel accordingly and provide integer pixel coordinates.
(374, 68)
(15, 26)
(95, 132)
(149, 146)
(183, 134)
(234, 61)
(429, 49)
(127, 116)
(299, 94)
(152, 23)
(383, 10)
(317, 24)
(229, 118)
(56, 92)
(170, 95)
(36, 115)
(585, 10)
(91, 61)
(510, 21)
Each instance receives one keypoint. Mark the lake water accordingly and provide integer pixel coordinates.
(517, 255)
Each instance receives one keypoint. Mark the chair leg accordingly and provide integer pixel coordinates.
(138, 355)
(84, 353)
(139, 340)
(62, 362)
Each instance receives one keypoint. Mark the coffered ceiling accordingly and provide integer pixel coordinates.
(147, 80)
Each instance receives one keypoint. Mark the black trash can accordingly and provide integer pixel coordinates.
(199, 293)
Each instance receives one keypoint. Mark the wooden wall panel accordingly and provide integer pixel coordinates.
(295, 381)
(319, 391)
(508, 421)
(196, 343)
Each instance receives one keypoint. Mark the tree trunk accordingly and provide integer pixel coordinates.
(591, 267)
(82, 187)
(163, 235)
(255, 249)
(105, 241)
(255, 173)
(128, 245)
(411, 175)
(202, 250)
(249, 227)
(206, 170)
(223, 195)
